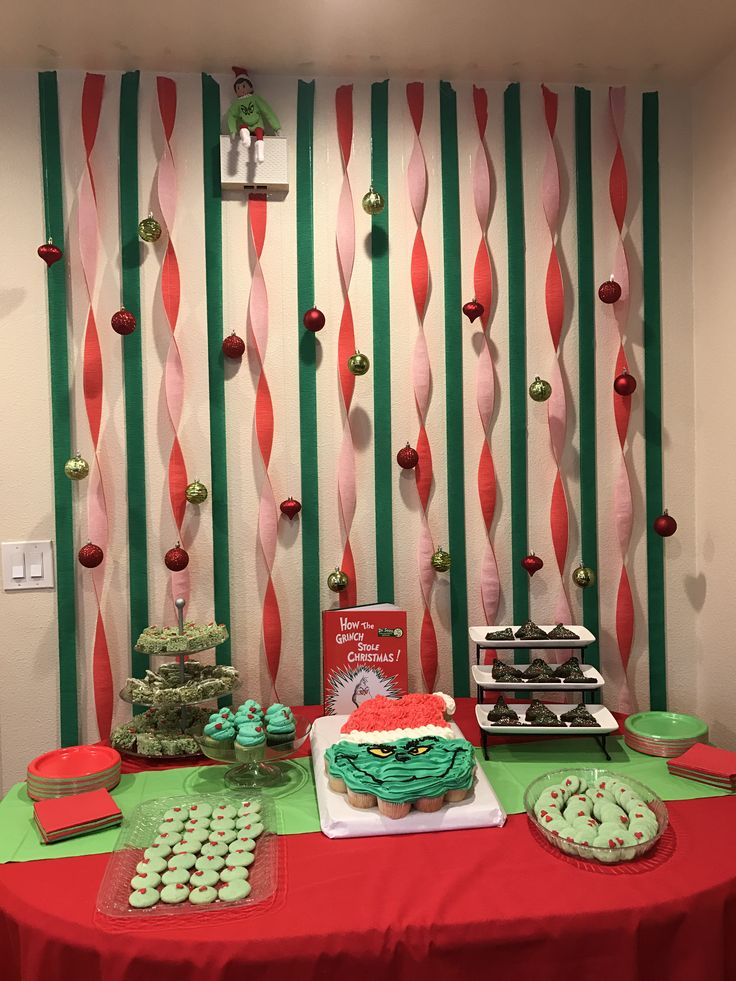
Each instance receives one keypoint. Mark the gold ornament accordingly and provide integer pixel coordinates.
(149, 229)
(76, 468)
(373, 203)
(441, 560)
(540, 390)
(196, 492)
(337, 580)
(358, 363)
(583, 576)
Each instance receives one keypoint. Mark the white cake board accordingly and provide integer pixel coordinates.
(339, 820)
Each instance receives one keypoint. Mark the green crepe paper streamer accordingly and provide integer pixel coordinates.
(586, 360)
(218, 430)
(60, 417)
(517, 352)
(383, 450)
(454, 391)
(311, 593)
(133, 369)
(653, 398)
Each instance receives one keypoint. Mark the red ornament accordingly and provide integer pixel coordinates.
(665, 525)
(532, 563)
(123, 322)
(610, 291)
(407, 457)
(624, 384)
(90, 555)
(50, 253)
(176, 558)
(290, 508)
(472, 309)
(233, 347)
(314, 320)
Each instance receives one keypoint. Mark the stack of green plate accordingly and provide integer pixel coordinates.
(664, 733)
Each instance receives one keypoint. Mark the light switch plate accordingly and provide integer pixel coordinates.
(27, 565)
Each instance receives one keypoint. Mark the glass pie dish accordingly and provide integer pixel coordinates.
(255, 767)
(609, 856)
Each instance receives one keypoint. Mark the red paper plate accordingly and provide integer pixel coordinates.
(69, 791)
(74, 762)
(60, 782)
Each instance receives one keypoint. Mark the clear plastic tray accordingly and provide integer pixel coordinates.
(609, 856)
(139, 830)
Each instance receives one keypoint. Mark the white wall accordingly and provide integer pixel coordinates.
(29, 698)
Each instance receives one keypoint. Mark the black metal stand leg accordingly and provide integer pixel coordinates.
(484, 743)
(601, 740)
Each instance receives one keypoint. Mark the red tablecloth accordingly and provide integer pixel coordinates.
(409, 907)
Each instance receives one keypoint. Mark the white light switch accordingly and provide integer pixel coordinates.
(27, 565)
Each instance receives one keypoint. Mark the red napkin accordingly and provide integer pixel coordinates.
(708, 761)
(76, 813)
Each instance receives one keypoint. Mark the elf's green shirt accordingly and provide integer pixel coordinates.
(251, 111)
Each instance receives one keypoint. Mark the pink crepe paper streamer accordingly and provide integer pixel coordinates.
(166, 186)
(623, 504)
(92, 380)
(554, 296)
(422, 380)
(485, 382)
(267, 528)
(345, 246)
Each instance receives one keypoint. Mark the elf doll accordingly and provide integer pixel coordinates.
(249, 113)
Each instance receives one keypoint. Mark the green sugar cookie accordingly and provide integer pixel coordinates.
(249, 807)
(224, 810)
(145, 880)
(214, 862)
(182, 861)
(237, 889)
(222, 822)
(198, 822)
(214, 848)
(202, 895)
(222, 837)
(173, 876)
(173, 894)
(178, 813)
(171, 824)
(198, 834)
(157, 851)
(200, 809)
(247, 844)
(232, 872)
(154, 864)
(249, 829)
(240, 858)
(167, 838)
(204, 877)
(143, 898)
(190, 845)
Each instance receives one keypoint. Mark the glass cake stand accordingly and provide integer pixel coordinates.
(255, 768)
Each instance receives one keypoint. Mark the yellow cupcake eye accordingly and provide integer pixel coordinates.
(418, 750)
(381, 751)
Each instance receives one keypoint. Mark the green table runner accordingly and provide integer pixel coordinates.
(511, 769)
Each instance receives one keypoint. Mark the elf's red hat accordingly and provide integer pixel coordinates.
(241, 75)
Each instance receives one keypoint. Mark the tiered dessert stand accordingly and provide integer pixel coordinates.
(185, 715)
(484, 682)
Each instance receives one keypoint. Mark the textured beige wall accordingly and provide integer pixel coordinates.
(31, 688)
(712, 582)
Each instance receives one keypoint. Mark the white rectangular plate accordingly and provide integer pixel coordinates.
(482, 677)
(339, 820)
(606, 722)
(478, 636)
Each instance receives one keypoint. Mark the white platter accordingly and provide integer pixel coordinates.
(478, 636)
(339, 820)
(482, 678)
(606, 722)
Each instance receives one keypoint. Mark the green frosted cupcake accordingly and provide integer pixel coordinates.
(280, 726)
(250, 743)
(219, 735)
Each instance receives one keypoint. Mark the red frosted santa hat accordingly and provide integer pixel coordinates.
(241, 75)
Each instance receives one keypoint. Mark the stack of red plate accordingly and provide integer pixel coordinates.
(73, 770)
(665, 734)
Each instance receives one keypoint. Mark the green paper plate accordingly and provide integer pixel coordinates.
(666, 725)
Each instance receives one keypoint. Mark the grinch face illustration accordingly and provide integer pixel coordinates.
(362, 691)
(350, 687)
(404, 769)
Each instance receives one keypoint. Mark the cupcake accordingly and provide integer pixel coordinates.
(219, 734)
(280, 726)
(250, 707)
(250, 742)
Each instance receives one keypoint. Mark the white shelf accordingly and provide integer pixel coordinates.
(240, 169)
(606, 722)
(483, 679)
(478, 637)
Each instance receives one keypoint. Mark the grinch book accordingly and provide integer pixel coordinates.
(363, 655)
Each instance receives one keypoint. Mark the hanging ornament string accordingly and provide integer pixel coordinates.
(422, 380)
(346, 489)
(554, 297)
(171, 296)
(623, 505)
(267, 529)
(92, 376)
(485, 384)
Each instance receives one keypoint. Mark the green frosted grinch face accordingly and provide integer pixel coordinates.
(404, 769)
